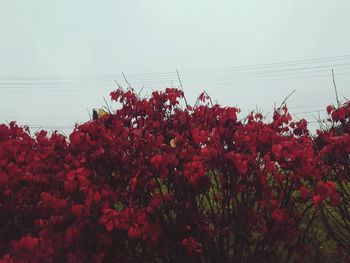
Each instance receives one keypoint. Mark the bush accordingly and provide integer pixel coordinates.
(333, 145)
(158, 182)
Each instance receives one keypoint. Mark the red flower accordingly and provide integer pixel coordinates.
(27, 243)
(194, 171)
(156, 161)
(77, 210)
(191, 245)
(134, 232)
(236, 158)
(199, 136)
(278, 216)
(330, 108)
(276, 150)
(316, 199)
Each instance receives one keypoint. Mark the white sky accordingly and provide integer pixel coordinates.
(60, 58)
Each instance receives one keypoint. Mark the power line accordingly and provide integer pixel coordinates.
(235, 68)
(86, 88)
(313, 111)
(219, 76)
(210, 75)
(294, 70)
(285, 63)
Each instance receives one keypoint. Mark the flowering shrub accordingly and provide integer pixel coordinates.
(158, 182)
(334, 149)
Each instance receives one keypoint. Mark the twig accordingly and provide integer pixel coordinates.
(296, 117)
(126, 80)
(335, 89)
(178, 76)
(107, 107)
(284, 101)
(89, 113)
(321, 123)
(197, 101)
(211, 102)
(119, 86)
(141, 90)
(65, 135)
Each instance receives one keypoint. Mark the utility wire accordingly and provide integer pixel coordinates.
(276, 73)
(219, 76)
(184, 72)
(46, 86)
(208, 75)
(85, 88)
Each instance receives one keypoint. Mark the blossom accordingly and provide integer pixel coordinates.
(278, 216)
(191, 245)
(134, 232)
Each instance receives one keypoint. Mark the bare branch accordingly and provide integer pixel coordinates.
(211, 102)
(126, 80)
(119, 86)
(285, 100)
(140, 91)
(89, 113)
(107, 106)
(178, 76)
(335, 89)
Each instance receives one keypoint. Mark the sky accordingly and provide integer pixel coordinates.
(60, 59)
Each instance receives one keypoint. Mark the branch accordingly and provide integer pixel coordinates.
(178, 76)
(89, 113)
(335, 89)
(107, 107)
(119, 86)
(285, 100)
(126, 80)
(139, 94)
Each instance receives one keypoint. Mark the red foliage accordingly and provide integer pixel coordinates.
(156, 182)
(333, 146)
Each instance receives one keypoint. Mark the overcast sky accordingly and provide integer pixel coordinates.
(58, 59)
